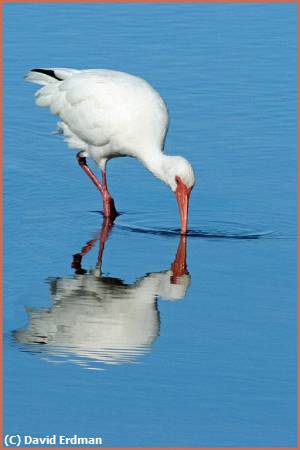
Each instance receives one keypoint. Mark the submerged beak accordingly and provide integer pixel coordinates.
(183, 195)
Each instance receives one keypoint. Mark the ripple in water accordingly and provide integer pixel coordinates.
(209, 229)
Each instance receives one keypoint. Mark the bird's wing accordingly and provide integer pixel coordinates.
(102, 107)
(87, 103)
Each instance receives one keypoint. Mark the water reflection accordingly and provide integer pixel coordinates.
(96, 319)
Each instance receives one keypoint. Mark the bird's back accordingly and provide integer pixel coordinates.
(104, 108)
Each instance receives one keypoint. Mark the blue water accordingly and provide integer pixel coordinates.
(122, 351)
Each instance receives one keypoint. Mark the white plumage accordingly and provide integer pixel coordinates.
(106, 114)
(101, 319)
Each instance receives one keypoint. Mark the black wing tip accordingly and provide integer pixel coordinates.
(48, 72)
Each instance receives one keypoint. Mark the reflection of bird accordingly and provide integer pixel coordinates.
(106, 114)
(94, 318)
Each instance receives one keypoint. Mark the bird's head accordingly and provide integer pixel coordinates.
(179, 175)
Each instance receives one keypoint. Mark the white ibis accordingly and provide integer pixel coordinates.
(98, 318)
(106, 114)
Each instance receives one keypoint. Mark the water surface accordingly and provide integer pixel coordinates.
(119, 345)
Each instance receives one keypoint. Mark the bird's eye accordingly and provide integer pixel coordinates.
(177, 179)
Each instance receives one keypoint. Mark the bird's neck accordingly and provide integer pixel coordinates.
(155, 161)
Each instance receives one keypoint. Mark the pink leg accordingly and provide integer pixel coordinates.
(77, 258)
(104, 182)
(105, 229)
(103, 236)
(109, 209)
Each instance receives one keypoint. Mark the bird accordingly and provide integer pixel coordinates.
(96, 318)
(106, 114)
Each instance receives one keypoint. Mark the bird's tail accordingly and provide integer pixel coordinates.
(49, 76)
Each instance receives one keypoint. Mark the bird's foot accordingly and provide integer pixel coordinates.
(76, 264)
(109, 209)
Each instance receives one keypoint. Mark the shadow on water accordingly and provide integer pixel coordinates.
(96, 320)
(211, 229)
(219, 234)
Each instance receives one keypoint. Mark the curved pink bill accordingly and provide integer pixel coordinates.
(183, 195)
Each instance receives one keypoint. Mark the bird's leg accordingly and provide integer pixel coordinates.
(105, 229)
(109, 209)
(77, 258)
(83, 164)
(102, 237)
(104, 182)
